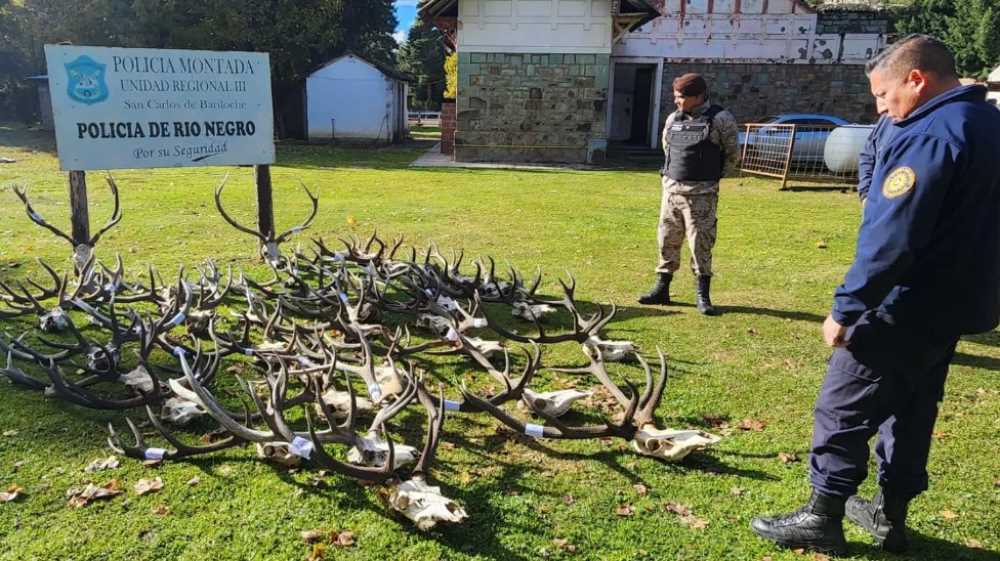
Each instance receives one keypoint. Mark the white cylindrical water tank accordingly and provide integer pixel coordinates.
(843, 147)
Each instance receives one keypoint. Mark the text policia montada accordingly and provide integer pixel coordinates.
(165, 129)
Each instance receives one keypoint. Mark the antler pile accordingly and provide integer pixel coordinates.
(324, 343)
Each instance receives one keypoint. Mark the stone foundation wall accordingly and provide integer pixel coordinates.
(448, 127)
(754, 91)
(531, 107)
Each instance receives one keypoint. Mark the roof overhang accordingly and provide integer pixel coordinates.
(438, 8)
(627, 15)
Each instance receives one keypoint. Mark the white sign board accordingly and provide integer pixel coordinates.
(151, 108)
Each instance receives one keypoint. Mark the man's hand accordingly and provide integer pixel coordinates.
(833, 333)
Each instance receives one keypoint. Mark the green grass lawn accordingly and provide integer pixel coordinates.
(778, 258)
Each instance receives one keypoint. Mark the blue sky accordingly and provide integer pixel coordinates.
(406, 11)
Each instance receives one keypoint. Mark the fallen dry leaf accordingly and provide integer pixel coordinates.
(563, 544)
(148, 486)
(996, 483)
(342, 539)
(313, 536)
(161, 510)
(820, 557)
(11, 494)
(767, 558)
(625, 510)
(82, 497)
(10, 433)
(317, 553)
(685, 517)
(715, 421)
(678, 509)
(973, 544)
(753, 425)
(99, 464)
(738, 491)
(949, 515)
(641, 489)
(568, 499)
(19, 464)
(821, 244)
(194, 481)
(787, 457)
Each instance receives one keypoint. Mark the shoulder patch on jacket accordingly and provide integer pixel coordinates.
(899, 182)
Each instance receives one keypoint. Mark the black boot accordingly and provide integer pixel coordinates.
(817, 526)
(704, 298)
(884, 517)
(660, 294)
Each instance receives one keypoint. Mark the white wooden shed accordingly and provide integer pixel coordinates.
(993, 83)
(351, 98)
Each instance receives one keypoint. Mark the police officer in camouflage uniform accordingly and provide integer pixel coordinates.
(700, 144)
(925, 272)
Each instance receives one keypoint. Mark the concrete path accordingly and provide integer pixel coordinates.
(433, 158)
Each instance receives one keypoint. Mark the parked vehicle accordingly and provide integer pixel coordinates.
(811, 133)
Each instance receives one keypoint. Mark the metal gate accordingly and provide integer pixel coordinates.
(811, 152)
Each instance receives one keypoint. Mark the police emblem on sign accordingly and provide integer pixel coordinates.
(86, 80)
(899, 182)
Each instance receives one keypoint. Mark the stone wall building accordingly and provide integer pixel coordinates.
(560, 80)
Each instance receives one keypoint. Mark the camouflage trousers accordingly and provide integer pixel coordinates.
(693, 217)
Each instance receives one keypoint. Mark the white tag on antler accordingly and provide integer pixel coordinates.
(534, 431)
(36, 217)
(155, 454)
(479, 323)
(177, 319)
(248, 351)
(296, 230)
(301, 447)
(451, 335)
(450, 405)
(179, 352)
(343, 296)
(375, 392)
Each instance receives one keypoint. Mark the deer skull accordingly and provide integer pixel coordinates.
(288, 454)
(270, 253)
(531, 312)
(103, 360)
(555, 403)
(180, 411)
(53, 321)
(487, 348)
(424, 504)
(611, 351)
(340, 403)
(138, 378)
(388, 379)
(670, 444)
(372, 451)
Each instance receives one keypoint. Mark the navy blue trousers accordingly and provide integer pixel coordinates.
(887, 381)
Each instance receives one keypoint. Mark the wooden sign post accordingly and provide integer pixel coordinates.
(80, 216)
(265, 202)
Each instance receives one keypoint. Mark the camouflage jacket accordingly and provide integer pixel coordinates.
(725, 133)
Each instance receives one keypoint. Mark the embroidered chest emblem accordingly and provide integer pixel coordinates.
(899, 182)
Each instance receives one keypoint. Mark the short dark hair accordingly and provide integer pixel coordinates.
(915, 51)
(690, 84)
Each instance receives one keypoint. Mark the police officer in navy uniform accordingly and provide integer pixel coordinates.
(926, 270)
(866, 159)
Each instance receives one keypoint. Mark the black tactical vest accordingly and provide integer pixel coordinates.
(691, 155)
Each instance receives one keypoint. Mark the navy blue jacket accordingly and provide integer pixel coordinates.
(866, 159)
(928, 254)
